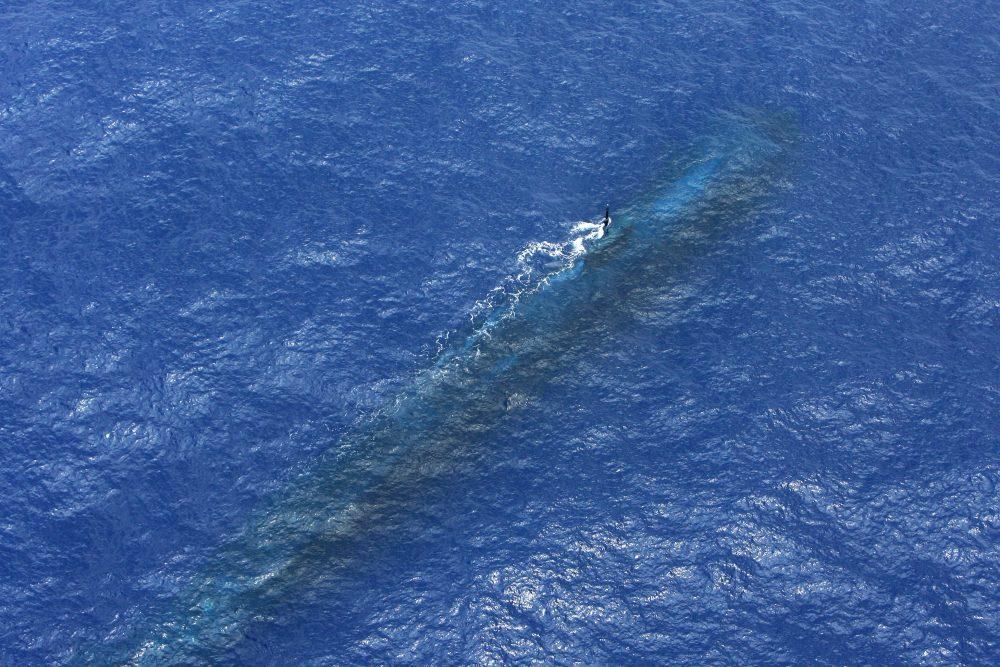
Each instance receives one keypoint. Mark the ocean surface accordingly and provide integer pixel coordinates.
(235, 234)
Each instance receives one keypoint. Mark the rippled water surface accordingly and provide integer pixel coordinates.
(242, 243)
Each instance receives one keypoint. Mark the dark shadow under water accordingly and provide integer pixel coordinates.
(328, 530)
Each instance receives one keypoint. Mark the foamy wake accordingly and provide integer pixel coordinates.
(534, 265)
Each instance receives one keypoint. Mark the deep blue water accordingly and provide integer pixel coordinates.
(233, 233)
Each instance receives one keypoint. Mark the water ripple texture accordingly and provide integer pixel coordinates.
(238, 240)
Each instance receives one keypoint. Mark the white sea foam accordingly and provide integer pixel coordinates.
(534, 265)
